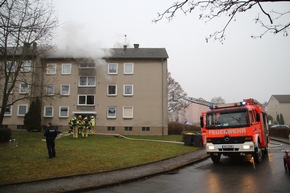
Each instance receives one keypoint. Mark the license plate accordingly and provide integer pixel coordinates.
(228, 146)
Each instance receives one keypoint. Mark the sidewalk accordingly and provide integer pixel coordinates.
(93, 181)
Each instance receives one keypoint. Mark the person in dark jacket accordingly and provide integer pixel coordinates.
(50, 134)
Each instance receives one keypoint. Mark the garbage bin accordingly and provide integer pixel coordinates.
(197, 140)
(188, 139)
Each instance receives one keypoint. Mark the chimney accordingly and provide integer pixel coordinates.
(136, 45)
(125, 47)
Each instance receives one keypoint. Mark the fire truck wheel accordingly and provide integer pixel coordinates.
(258, 155)
(215, 158)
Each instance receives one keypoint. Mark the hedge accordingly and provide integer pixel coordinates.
(5, 135)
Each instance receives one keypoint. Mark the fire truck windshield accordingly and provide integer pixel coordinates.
(226, 119)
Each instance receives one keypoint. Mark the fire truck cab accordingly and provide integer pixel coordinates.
(236, 129)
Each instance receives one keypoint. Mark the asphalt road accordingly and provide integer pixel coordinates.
(237, 176)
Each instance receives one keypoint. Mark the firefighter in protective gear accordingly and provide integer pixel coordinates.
(74, 126)
(80, 124)
(86, 126)
(92, 124)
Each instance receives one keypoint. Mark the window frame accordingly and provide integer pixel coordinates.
(10, 108)
(125, 109)
(115, 69)
(45, 111)
(61, 89)
(87, 81)
(60, 112)
(131, 68)
(53, 89)
(26, 66)
(86, 99)
(21, 91)
(51, 68)
(108, 113)
(11, 66)
(63, 68)
(108, 90)
(125, 90)
(18, 110)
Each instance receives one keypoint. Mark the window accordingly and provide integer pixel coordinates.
(65, 89)
(112, 68)
(26, 66)
(111, 128)
(9, 85)
(87, 65)
(51, 69)
(128, 128)
(127, 112)
(48, 111)
(63, 111)
(86, 99)
(111, 112)
(128, 90)
(87, 81)
(10, 66)
(145, 128)
(128, 68)
(23, 88)
(112, 90)
(8, 111)
(22, 109)
(50, 89)
(66, 68)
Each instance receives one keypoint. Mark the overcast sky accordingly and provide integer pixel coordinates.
(239, 68)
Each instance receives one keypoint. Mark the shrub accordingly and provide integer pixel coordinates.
(5, 135)
(175, 128)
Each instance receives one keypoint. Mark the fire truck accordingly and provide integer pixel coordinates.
(236, 129)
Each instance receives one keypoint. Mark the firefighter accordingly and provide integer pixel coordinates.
(92, 124)
(86, 126)
(73, 123)
(70, 123)
(80, 124)
(50, 133)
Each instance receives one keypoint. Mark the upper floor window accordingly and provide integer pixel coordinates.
(86, 99)
(50, 89)
(87, 81)
(51, 69)
(127, 112)
(128, 90)
(63, 111)
(112, 90)
(111, 112)
(128, 68)
(10, 66)
(112, 68)
(22, 109)
(23, 88)
(8, 111)
(65, 89)
(26, 66)
(87, 65)
(66, 68)
(48, 111)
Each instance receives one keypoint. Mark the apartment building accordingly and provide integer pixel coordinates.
(125, 91)
(279, 104)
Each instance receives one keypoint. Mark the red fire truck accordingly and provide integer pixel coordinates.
(236, 129)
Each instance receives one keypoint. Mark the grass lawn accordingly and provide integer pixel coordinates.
(29, 161)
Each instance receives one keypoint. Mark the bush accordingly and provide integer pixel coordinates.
(5, 135)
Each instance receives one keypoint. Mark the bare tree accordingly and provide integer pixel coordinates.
(210, 9)
(23, 25)
(176, 95)
(218, 100)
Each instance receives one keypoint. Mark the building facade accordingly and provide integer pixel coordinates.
(279, 104)
(125, 91)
